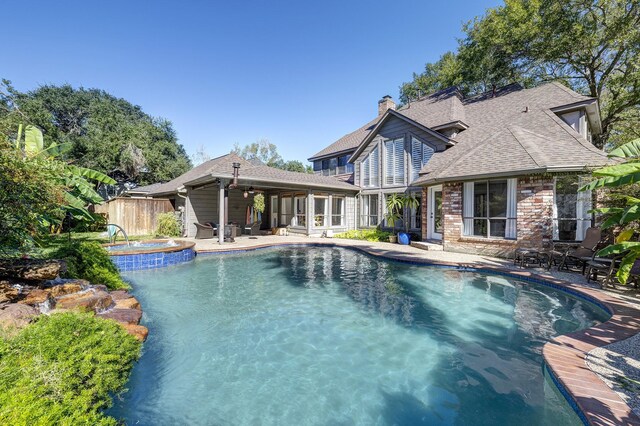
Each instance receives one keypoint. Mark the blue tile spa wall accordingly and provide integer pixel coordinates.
(140, 261)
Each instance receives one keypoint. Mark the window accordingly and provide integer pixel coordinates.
(286, 212)
(571, 216)
(420, 154)
(369, 211)
(394, 163)
(300, 206)
(337, 211)
(343, 165)
(317, 166)
(320, 205)
(370, 169)
(333, 166)
(489, 209)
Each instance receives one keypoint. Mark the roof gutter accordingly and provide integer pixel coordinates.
(277, 181)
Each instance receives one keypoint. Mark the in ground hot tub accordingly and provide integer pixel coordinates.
(150, 254)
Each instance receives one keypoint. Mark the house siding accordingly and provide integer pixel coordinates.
(534, 219)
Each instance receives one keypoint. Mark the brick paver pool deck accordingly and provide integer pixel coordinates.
(564, 356)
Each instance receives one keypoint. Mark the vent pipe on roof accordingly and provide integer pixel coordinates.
(385, 103)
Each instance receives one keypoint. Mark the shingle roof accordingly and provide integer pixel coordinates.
(500, 138)
(222, 167)
(514, 133)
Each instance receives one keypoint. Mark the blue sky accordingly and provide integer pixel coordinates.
(298, 73)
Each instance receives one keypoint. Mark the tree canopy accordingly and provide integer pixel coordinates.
(592, 46)
(267, 153)
(106, 133)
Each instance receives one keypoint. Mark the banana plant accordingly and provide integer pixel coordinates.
(80, 191)
(624, 174)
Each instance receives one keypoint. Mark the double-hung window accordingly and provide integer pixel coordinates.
(369, 211)
(420, 154)
(370, 169)
(489, 209)
(337, 211)
(394, 161)
(571, 216)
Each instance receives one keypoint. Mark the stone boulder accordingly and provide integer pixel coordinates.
(16, 316)
(140, 332)
(89, 300)
(8, 293)
(120, 294)
(36, 296)
(129, 303)
(69, 287)
(124, 316)
(31, 269)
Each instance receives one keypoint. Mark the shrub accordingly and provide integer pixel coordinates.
(366, 235)
(63, 369)
(168, 225)
(90, 261)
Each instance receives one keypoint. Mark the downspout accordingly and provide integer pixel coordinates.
(220, 211)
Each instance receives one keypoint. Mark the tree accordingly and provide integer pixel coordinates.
(261, 150)
(444, 73)
(106, 133)
(593, 46)
(266, 153)
(624, 176)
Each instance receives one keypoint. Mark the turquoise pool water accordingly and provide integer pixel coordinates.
(329, 336)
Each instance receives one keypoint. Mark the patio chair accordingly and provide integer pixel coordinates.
(581, 255)
(206, 230)
(253, 228)
(610, 266)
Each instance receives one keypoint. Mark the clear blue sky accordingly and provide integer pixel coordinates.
(299, 73)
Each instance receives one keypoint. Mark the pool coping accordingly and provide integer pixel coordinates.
(564, 356)
(181, 245)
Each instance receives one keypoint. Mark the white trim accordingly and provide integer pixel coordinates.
(431, 204)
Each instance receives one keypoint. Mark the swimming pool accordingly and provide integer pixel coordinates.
(333, 336)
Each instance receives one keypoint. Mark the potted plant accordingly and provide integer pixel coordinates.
(394, 204)
(409, 201)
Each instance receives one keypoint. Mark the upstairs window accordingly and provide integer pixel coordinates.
(370, 169)
(420, 154)
(317, 166)
(394, 164)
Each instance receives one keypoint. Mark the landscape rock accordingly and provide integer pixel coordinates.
(31, 269)
(36, 297)
(129, 303)
(68, 288)
(17, 316)
(96, 300)
(120, 294)
(8, 293)
(140, 332)
(124, 316)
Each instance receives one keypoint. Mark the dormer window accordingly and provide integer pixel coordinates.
(578, 121)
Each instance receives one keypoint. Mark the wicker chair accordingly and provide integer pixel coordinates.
(253, 228)
(206, 230)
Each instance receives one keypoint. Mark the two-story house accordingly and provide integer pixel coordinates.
(493, 172)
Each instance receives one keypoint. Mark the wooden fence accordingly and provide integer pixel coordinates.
(136, 215)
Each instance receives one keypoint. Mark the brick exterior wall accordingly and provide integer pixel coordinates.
(534, 219)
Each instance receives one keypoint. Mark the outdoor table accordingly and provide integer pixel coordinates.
(521, 255)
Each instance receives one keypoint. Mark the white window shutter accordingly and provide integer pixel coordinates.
(416, 157)
(366, 171)
(512, 203)
(375, 170)
(467, 208)
(399, 162)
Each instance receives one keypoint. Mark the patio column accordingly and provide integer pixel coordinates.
(309, 211)
(221, 205)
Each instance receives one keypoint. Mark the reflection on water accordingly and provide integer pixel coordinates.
(332, 336)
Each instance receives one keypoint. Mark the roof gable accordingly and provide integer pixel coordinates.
(389, 115)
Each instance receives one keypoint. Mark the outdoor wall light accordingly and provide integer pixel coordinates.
(246, 194)
(251, 191)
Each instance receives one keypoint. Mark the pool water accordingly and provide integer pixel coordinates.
(330, 336)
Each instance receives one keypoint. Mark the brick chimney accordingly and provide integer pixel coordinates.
(385, 103)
